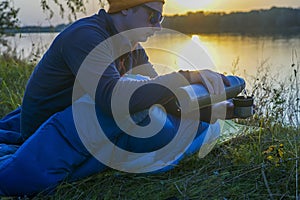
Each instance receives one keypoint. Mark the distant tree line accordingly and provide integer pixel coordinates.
(36, 29)
(274, 20)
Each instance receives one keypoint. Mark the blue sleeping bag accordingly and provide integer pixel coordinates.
(55, 152)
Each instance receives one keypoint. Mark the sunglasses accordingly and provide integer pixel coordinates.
(155, 16)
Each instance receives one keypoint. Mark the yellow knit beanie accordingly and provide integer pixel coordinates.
(118, 5)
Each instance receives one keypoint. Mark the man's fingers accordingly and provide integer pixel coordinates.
(214, 82)
(207, 84)
(225, 80)
(222, 110)
(217, 83)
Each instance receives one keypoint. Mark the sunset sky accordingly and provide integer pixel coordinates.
(31, 13)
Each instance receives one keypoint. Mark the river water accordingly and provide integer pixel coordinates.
(238, 54)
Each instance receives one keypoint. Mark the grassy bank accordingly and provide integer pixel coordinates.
(260, 163)
(14, 74)
(238, 169)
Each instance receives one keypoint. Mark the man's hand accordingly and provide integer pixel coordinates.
(214, 82)
(222, 110)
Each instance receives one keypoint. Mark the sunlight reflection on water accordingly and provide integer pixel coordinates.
(224, 50)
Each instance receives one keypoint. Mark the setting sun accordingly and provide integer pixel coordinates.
(182, 6)
(194, 4)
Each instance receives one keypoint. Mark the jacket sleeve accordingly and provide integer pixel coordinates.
(141, 64)
(91, 59)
